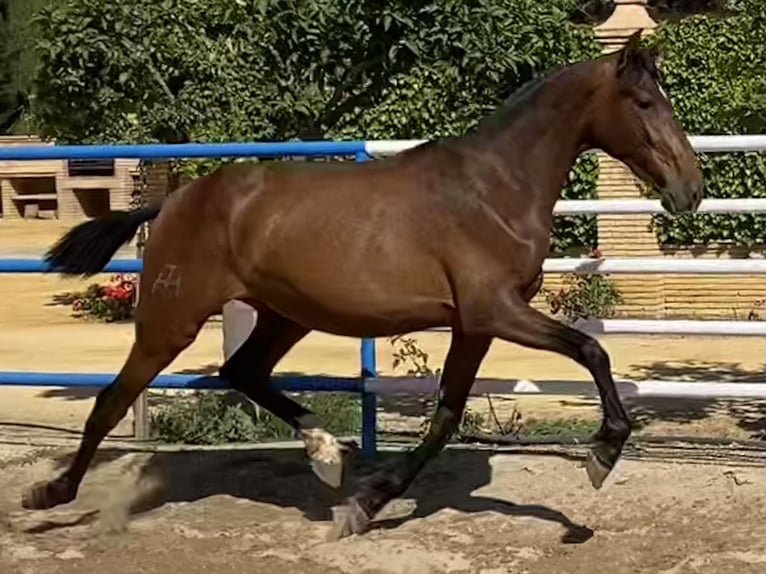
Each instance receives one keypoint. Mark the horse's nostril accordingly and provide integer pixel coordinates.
(698, 196)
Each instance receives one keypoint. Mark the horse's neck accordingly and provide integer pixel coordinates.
(531, 155)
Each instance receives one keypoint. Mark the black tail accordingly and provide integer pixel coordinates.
(87, 247)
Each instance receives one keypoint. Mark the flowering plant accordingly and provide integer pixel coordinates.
(111, 302)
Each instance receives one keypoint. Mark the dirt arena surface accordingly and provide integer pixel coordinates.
(671, 509)
(472, 511)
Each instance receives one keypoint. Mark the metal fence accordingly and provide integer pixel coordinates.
(368, 385)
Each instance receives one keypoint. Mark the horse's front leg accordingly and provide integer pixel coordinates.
(460, 368)
(512, 319)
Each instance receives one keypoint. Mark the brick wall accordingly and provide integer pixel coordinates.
(66, 202)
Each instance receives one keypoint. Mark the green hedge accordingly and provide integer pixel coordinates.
(714, 69)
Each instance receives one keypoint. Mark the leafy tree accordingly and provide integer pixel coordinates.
(17, 60)
(173, 70)
(142, 70)
(145, 70)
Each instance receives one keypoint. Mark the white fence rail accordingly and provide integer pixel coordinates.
(705, 144)
(626, 388)
(672, 327)
(664, 327)
(649, 206)
(650, 265)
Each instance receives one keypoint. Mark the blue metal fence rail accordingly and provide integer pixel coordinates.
(184, 150)
(172, 381)
(355, 149)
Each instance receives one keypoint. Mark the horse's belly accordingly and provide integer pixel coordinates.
(354, 308)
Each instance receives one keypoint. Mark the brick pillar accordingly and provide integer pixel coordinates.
(9, 209)
(627, 235)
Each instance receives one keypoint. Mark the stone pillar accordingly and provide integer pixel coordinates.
(627, 235)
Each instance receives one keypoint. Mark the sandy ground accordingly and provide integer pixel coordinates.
(681, 510)
(471, 511)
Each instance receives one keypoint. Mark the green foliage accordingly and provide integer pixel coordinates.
(714, 70)
(584, 296)
(142, 70)
(17, 61)
(212, 417)
(408, 353)
(472, 54)
(203, 418)
(562, 428)
(173, 70)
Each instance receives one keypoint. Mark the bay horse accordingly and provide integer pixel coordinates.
(452, 233)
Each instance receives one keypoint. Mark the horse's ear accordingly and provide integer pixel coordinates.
(630, 53)
(655, 55)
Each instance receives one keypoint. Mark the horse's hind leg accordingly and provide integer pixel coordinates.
(158, 341)
(249, 369)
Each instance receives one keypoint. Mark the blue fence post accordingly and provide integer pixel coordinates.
(368, 369)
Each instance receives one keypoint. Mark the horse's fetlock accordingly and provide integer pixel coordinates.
(615, 430)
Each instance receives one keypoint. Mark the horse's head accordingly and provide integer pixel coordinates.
(633, 121)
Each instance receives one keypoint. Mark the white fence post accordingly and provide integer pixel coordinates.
(239, 320)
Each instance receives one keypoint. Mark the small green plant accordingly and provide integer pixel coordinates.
(560, 428)
(583, 296)
(214, 417)
(472, 424)
(111, 302)
(205, 417)
(407, 352)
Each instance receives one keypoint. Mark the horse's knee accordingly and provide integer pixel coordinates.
(594, 355)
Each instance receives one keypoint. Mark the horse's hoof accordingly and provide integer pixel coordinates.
(596, 468)
(331, 473)
(46, 495)
(327, 456)
(347, 520)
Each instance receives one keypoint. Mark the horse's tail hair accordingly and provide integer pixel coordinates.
(87, 247)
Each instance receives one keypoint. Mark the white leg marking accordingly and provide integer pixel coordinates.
(326, 455)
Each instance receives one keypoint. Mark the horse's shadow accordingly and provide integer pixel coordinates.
(282, 477)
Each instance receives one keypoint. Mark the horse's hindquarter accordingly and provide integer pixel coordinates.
(186, 262)
(351, 252)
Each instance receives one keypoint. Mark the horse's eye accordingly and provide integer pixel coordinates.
(644, 104)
